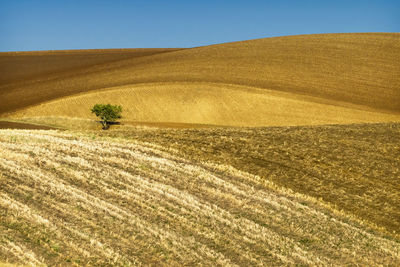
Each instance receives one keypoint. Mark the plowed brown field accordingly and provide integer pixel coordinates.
(342, 74)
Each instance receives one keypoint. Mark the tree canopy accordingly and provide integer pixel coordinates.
(107, 113)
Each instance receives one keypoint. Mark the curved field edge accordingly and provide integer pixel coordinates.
(87, 199)
(201, 104)
(359, 69)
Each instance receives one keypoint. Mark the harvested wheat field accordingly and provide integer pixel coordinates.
(293, 80)
(167, 197)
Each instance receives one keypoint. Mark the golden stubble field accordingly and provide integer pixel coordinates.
(323, 195)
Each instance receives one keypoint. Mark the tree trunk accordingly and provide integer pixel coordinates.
(105, 125)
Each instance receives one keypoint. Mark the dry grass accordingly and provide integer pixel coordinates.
(329, 72)
(140, 198)
(355, 168)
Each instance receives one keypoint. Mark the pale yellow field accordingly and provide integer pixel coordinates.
(204, 103)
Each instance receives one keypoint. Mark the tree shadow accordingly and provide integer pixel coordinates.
(109, 123)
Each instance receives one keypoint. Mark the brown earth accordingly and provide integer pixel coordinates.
(356, 71)
(21, 125)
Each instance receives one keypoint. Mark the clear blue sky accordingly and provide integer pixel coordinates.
(79, 24)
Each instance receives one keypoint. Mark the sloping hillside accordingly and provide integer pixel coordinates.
(88, 200)
(21, 66)
(356, 71)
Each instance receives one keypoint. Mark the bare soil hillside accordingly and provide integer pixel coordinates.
(357, 71)
(20, 66)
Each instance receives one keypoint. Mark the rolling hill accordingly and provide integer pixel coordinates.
(293, 80)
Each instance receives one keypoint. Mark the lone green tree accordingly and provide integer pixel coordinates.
(107, 113)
